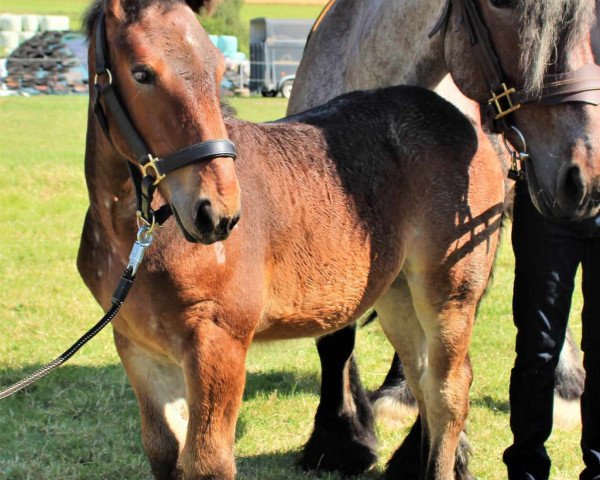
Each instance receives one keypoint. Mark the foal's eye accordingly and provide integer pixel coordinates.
(143, 75)
(504, 3)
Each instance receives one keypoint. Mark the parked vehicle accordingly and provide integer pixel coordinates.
(276, 47)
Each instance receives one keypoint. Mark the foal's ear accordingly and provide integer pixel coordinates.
(115, 9)
(204, 6)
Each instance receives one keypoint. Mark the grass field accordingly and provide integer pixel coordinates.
(82, 422)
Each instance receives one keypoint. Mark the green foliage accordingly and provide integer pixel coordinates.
(226, 20)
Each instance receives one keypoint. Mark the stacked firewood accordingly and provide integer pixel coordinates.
(46, 64)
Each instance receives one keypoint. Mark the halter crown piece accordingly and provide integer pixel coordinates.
(151, 169)
(581, 85)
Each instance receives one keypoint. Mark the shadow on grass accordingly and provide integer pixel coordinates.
(280, 381)
(84, 421)
(282, 465)
(491, 404)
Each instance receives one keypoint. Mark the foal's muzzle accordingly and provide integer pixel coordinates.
(212, 226)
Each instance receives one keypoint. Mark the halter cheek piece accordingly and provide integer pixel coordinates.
(582, 85)
(151, 169)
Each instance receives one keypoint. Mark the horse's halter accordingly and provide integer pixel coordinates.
(582, 85)
(152, 169)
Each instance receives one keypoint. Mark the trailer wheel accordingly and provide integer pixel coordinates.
(286, 88)
(268, 93)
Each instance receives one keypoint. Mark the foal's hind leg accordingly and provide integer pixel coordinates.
(401, 326)
(411, 340)
(343, 438)
(160, 391)
(446, 303)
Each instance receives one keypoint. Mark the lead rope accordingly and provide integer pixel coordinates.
(145, 237)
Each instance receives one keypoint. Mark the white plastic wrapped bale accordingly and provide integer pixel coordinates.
(9, 41)
(10, 23)
(54, 23)
(30, 23)
(24, 36)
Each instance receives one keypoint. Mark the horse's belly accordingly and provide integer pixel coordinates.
(312, 302)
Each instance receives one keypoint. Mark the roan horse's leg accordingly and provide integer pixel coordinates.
(160, 390)
(343, 438)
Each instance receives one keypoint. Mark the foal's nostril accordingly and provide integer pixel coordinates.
(204, 220)
(223, 227)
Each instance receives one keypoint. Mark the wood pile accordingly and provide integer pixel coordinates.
(46, 64)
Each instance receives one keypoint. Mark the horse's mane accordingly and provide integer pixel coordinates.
(134, 8)
(546, 24)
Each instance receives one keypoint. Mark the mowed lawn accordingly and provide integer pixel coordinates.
(82, 421)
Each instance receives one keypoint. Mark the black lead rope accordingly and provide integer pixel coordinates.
(144, 240)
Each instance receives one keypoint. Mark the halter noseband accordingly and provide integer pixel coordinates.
(151, 169)
(581, 85)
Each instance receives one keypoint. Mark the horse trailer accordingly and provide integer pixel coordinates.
(276, 47)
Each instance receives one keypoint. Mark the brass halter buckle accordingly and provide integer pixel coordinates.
(151, 165)
(518, 158)
(503, 102)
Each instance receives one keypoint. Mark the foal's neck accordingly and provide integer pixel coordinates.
(111, 194)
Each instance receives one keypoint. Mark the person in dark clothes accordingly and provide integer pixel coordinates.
(547, 255)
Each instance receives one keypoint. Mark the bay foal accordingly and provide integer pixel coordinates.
(335, 204)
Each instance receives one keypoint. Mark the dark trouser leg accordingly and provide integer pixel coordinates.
(343, 438)
(590, 400)
(546, 259)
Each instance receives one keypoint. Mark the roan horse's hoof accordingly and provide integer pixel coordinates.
(340, 444)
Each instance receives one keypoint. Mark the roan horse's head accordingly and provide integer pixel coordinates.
(167, 74)
(534, 40)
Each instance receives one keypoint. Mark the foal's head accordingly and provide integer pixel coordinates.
(533, 39)
(167, 73)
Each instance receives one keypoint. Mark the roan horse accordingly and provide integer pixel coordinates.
(335, 202)
(359, 44)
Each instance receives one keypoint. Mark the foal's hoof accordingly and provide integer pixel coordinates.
(340, 445)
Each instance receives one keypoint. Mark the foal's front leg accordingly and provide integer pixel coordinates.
(214, 370)
(160, 390)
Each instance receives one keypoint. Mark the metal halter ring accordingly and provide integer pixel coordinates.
(110, 78)
(145, 235)
(512, 150)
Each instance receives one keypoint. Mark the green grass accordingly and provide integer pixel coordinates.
(82, 421)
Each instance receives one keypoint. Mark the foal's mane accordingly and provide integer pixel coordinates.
(134, 8)
(546, 24)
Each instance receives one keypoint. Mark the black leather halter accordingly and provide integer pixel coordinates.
(151, 170)
(582, 85)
